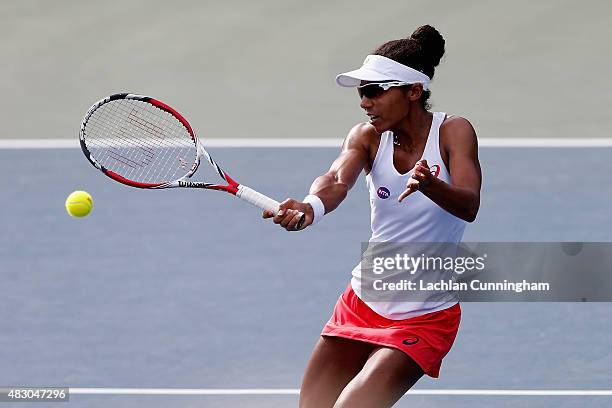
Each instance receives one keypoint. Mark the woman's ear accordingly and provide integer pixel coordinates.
(415, 91)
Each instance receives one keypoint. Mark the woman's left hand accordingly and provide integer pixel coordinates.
(421, 177)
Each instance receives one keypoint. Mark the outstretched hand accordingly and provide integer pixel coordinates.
(421, 177)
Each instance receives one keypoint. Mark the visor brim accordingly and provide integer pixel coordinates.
(354, 78)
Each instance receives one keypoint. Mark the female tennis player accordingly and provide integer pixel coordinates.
(424, 180)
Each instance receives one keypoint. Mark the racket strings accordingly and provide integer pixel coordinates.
(139, 141)
(146, 124)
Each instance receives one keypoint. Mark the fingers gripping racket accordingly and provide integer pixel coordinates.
(142, 142)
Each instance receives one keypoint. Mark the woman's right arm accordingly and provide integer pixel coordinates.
(333, 186)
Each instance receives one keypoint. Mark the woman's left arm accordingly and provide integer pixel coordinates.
(462, 198)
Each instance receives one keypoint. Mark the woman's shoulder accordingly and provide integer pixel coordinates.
(363, 130)
(456, 123)
(362, 134)
(364, 138)
(457, 130)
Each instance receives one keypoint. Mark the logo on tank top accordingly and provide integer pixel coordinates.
(383, 192)
(411, 340)
(435, 170)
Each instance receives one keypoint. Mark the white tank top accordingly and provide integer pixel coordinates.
(415, 219)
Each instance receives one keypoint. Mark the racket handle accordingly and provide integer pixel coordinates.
(262, 201)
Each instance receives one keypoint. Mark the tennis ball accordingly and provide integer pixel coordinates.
(79, 203)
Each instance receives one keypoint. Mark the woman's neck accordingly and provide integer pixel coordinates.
(414, 128)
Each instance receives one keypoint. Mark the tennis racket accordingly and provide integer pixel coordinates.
(142, 142)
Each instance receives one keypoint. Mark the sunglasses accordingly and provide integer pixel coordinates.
(376, 89)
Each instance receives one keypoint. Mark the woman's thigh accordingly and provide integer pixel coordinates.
(334, 362)
(384, 379)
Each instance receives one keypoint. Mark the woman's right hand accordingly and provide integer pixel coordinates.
(288, 214)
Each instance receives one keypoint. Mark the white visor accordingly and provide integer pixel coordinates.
(379, 68)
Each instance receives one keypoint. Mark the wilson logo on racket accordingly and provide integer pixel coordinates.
(142, 142)
(192, 184)
(184, 164)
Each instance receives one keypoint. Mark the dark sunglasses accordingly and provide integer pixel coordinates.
(376, 89)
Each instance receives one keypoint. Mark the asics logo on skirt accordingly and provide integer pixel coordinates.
(411, 340)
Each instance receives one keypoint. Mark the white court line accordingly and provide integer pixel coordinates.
(336, 143)
(295, 391)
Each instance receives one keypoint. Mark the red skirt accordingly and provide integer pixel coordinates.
(426, 339)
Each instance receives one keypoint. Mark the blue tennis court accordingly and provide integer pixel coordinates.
(193, 290)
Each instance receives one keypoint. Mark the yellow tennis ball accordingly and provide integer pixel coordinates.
(79, 204)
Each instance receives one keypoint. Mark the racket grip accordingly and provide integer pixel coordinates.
(257, 199)
(262, 201)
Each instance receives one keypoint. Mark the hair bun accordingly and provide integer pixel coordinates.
(431, 42)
